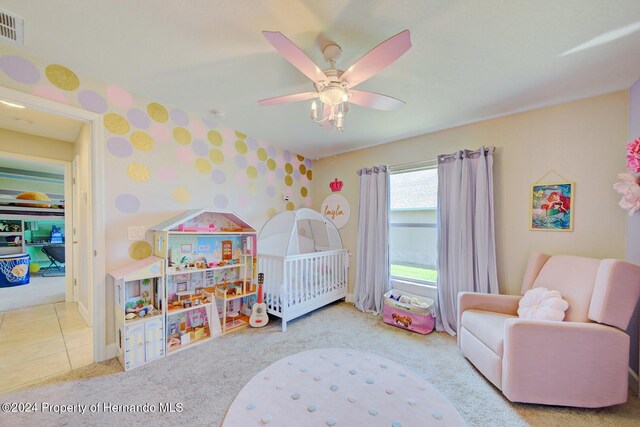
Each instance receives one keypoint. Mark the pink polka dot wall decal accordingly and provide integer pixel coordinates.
(181, 195)
(127, 203)
(228, 134)
(252, 157)
(179, 117)
(19, 69)
(138, 118)
(218, 177)
(181, 135)
(62, 77)
(244, 201)
(185, 155)
(166, 174)
(51, 93)
(115, 123)
(241, 178)
(119, 147)
(240, 135)
(160, 133)
(119, 97)
(199, 147)
(92, 101)
(157, 112)
(229, 150)
(197, 129)
(271, 178)
(308, 202)
(220, 201)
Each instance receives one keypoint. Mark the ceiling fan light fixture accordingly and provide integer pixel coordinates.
(333, 94)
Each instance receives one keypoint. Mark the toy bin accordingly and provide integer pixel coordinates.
(407, 311)
(14, 270)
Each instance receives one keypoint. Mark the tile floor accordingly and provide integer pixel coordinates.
(42, 341)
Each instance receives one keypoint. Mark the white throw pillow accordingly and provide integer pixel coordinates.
(542, 304)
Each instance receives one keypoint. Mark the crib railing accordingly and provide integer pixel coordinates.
(295, 279)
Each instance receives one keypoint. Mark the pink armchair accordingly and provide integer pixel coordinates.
(581, 361)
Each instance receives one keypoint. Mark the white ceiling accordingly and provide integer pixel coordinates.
(39, 123)
(470, 59)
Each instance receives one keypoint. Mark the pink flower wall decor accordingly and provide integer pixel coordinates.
(633, 155)
(630, 190)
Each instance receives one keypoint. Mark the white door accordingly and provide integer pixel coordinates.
(154, 332)
(75, 220)
(134, 348)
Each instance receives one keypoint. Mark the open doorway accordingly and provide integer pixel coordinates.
(62, 237)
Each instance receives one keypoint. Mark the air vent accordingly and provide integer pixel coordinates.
(11, 27)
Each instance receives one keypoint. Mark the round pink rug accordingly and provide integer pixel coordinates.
(339, 387)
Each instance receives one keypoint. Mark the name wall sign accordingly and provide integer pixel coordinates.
(337, 209)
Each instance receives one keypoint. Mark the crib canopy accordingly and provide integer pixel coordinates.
(298, 232)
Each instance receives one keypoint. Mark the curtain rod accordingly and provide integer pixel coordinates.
(415, 165)
(484, 149)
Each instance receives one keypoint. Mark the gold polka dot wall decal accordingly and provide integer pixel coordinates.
(240, 135)
(304, 192)
(138, 172)
(288, 180)
(290, 206)
(309, 175)
(203, 165)
(300, 158)
(115, 123)
(215, 138)
(62, 77)
(241, 146)
(253, 189)
(140, 250)
(157, 112)
(252, 172)
(181, 195)
(142, 141)
(216, 156)
(271, 164)
(288, 168)
(271, 212)
(262, 154)
(302, 169)
(182, 135)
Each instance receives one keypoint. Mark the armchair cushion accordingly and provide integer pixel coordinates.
(542, 304)
(486, 326)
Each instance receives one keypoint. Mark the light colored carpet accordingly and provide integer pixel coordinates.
(40, 290)
(342, 387)
(206, 378)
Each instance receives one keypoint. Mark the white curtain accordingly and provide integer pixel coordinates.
(466, 238)
(372, 269)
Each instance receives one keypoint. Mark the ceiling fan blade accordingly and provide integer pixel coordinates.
(285, 99)
(375, 100)
(378, 58)
(294, 55)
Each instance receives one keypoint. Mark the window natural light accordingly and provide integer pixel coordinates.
(412, 233)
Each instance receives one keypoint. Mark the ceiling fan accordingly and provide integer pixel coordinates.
(333, 87)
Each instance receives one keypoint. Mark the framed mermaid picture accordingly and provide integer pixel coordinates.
(552, 207)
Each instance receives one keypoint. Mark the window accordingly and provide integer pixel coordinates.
(412, 234)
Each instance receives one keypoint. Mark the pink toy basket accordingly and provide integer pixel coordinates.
(408, 311)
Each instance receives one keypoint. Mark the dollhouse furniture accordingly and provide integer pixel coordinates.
(304, 264)
(210, 267)
(139, 315)
(581, 361)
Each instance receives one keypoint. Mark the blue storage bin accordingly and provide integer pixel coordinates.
(14, 270)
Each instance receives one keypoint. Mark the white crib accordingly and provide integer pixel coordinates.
(298, 284)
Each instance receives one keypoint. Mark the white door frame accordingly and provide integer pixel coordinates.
(95, 202)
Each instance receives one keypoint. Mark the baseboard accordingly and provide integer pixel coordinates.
(84, 313)
(111, 351)
(350, 298)
(634, 382)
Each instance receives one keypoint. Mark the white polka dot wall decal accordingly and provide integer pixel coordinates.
(62, 77)
(290, 363)
(138, 172)
(267, 377)
(181, 195)
(412, 402)
(383, 366)
(166, 174)
(197, 129)
(337, 364)
(251, 406)
(304, 369)
(116, 124)
(331, 422)
(52, 93)
(351, 399)
(92, 101)
(266, 419)
(19, 69)
(119, 97)
(295, 396)
(349, 354)
(312, 407)
(389, 391)
(396, 424)
(160, 132)
(157, 112)
(280, 386)
(317, 378)
(436, 415)
(334, 387)
(323, 356)
(370, 380)
(421, 388)
(373, 411)
(402, 374)
(353, 371)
